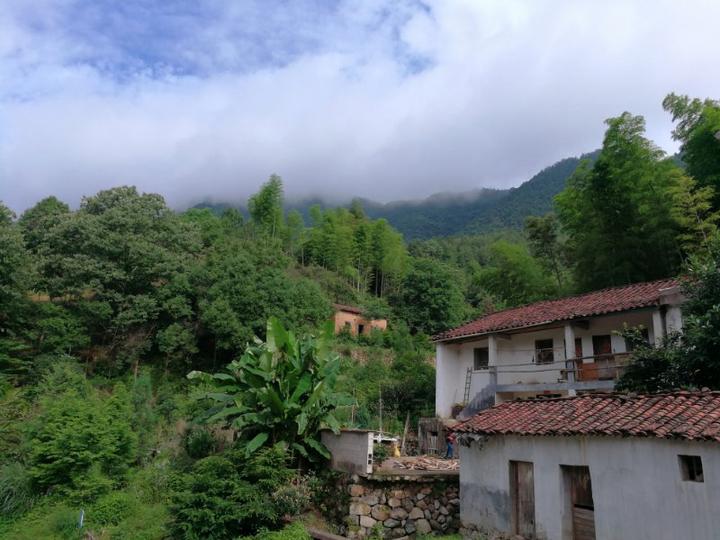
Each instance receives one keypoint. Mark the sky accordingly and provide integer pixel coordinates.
(396, 99)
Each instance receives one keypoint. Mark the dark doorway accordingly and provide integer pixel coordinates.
(522, 492)
(580, 500)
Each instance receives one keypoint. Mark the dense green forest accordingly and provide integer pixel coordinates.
(106, 309)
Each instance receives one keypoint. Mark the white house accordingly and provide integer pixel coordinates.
(550, 348)
(603, 466)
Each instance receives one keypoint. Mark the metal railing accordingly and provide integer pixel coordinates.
(597, 367)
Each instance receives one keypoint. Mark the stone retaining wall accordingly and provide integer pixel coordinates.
(399, 507)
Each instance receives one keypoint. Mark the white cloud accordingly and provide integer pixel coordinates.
(383, 100)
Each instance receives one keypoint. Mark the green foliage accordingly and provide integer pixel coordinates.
(431, 299)
(620, 215)
(111, 509)
(294, 497)
(15, 410)
(279, 390)
(247, 284)
(293, 531)
(380, 453)
(266, 207)
(226, 496)
(698, 125)
(199, 442)
(652, 368)
(689, 361)
(81, 443)
(15, 280)
(121, 263)
(16, 494)
(543, 236)
(514, 275)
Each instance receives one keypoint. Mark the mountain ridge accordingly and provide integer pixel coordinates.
(476, 211)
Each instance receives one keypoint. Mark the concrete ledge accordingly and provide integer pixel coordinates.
(555, 387)
(398, 475)
(319, 534)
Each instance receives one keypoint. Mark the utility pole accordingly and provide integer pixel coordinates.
(380, 404)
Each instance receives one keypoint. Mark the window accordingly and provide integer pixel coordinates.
(361, 328)
(481, 358)
(691, 468)
(544, 353)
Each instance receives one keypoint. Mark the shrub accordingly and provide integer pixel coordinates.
(380, 452)
(146, 522)
(216, 503)
(199, 442)
(294, 497)
(112, 509)
(294, 531)
(63, 521)
(16, 496)
(74, 433)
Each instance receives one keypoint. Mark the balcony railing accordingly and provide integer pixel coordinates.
(599, 367)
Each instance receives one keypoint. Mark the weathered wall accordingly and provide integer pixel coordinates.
(351, 451)
(402, 506)
(637, 486)
(342, 318)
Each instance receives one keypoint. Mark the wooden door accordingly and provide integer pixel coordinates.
(522, 489)
(602, 350)
(581, 500)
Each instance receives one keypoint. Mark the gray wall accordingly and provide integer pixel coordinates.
(637, 487)
(352, 450)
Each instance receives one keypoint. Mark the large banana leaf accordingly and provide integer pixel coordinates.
(279, 391)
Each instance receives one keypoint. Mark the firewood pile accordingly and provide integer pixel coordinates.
(421, 463)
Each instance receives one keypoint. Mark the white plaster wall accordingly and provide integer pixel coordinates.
(673, 319)
(454, 359)
(637, 487)
(450, 373)
(351, 451)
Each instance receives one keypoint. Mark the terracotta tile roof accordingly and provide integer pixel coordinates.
(610, 300)
(348, 309)
(677, 415)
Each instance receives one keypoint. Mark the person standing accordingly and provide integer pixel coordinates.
(450, 441)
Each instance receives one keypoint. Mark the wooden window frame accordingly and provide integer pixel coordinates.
(545, 355)
(481, 366)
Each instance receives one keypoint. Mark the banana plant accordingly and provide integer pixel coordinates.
(280, 391)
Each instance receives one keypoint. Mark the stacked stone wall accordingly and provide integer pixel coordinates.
(402, 507)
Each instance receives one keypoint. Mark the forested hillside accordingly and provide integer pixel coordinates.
(167, 372)
(446, 214)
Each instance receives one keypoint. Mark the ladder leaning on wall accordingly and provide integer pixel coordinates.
(468, 382)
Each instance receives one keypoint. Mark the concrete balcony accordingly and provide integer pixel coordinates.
(596, 372)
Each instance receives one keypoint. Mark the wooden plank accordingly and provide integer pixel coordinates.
(523, 490)
(583, 524)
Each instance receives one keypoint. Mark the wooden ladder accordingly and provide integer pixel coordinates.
(468, 382)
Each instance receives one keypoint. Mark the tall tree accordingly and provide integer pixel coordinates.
(15, 281)
(698, 130)
(266, 207)
(122, 262)
(513, 275)
(36, 222)
(618, 213)
(431, 299)
(543, 238)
